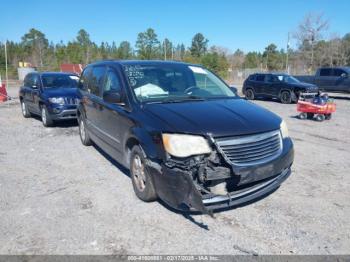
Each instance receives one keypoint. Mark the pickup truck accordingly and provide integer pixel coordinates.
(332, 79)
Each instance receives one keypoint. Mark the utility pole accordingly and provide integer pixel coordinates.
(287, 62)
(164, 49)
(6, 74)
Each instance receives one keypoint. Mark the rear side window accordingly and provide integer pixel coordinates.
(84, 79)
(251, 78)
(326, 72)
(260, 78)
(96, 80)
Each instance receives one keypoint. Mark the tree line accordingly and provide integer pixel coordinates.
(312, 50)
(36, 49)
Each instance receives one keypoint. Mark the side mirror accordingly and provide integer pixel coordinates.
(112, 97)
(344, 75)
(234, 89)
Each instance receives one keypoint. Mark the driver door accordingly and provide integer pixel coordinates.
(272, 86)
(114, 117)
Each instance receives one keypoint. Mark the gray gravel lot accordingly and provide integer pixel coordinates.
(59, 197)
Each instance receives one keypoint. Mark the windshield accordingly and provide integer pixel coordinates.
(288, 79)
(174, 83)
(59, 80)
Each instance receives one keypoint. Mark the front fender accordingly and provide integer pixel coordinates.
(150, 142)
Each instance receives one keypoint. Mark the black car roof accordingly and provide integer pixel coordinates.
(57, 73)
(143, 62)
(270, 74)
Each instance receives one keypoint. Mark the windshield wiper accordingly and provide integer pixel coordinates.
(178, 100)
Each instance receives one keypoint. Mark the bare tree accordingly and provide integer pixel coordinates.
(309, 32)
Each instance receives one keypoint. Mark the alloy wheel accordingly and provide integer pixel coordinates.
(24, 109)
(82, 130)
(43, 116)
(138, 171)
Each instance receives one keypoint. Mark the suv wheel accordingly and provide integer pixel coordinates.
(141, 180)
(25, 111)
(45, 117)
(286, 97)
(249, 94)
(83, 133)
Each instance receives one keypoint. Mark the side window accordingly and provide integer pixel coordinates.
(326, 72)
(112, 82)
(252, 78)
(36, 81)
(260, 78)
(338, 72)
(84, 79)
(96, 81)
(274, 79)
(28, 80)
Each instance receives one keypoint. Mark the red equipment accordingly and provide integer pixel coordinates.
(308, 110)
(3, 93)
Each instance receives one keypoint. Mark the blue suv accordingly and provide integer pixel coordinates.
(51, 95)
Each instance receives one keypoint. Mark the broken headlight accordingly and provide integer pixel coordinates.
(179, 145)
(284, 129)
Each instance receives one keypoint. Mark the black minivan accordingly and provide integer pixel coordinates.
(185, 136)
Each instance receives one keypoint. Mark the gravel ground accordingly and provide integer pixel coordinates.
(59, 197)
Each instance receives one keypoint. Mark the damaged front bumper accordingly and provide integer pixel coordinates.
(176, 184)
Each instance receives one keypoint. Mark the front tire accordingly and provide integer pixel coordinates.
(25, 111)
(249, 94)
(286, 97)
(46, 117)
(320, 117)
(141, 179)
(83, 133)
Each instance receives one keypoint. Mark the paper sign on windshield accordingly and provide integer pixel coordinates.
(198, 70)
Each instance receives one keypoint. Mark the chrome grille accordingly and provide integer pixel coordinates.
(71, 100)
(252, 149)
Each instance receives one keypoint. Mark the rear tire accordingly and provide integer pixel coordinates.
(45, 117)
(286, 97)
(249, 94)
(320, 117)
(328, 116)
(141, 179)
(25, 111)
(83, 133)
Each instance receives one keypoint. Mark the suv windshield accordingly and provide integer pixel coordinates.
(59, 80)
(288, 79)
(174, 83)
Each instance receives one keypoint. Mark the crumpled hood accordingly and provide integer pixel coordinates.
(223, 117)
(61, 92)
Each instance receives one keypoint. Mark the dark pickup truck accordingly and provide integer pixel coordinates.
(330, 79)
